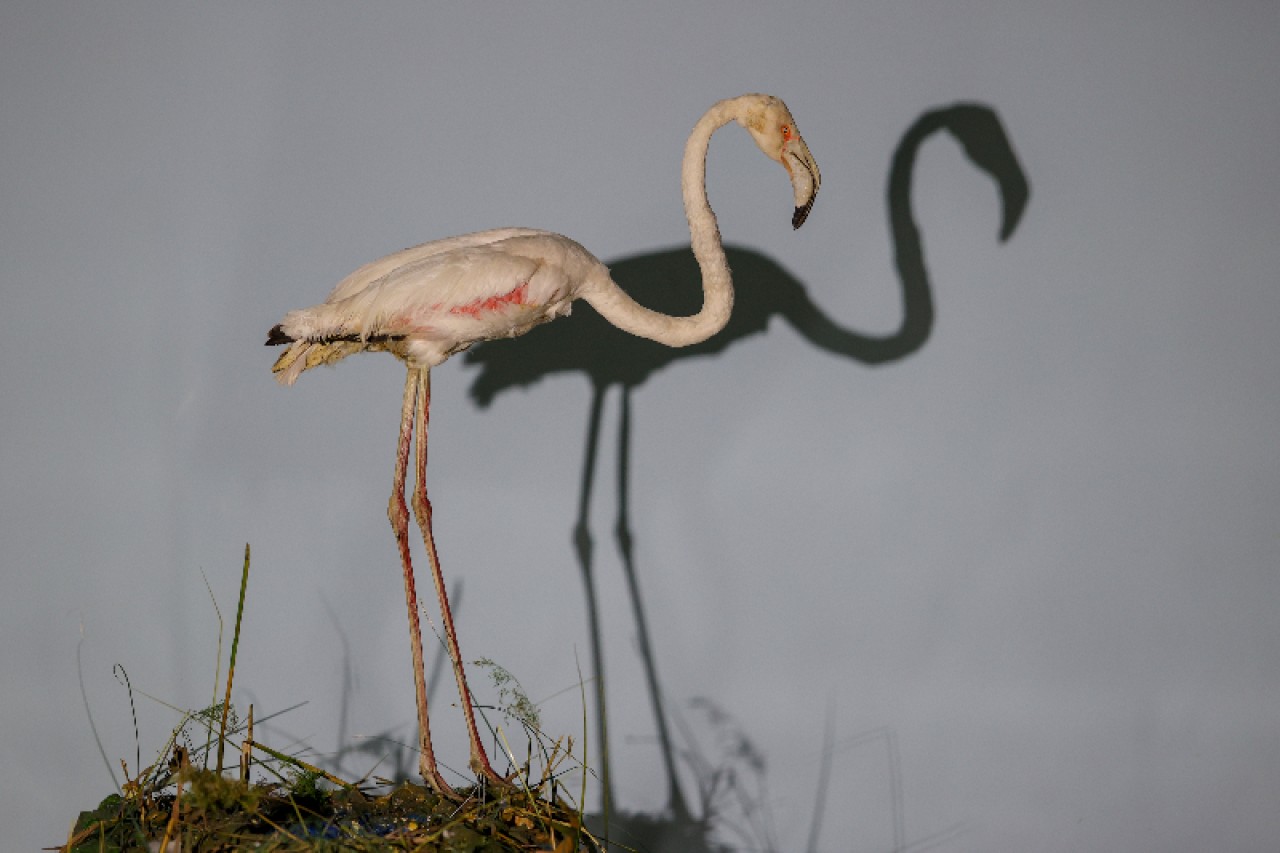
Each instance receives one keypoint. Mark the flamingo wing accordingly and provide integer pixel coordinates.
(432, 306)
(378, 270)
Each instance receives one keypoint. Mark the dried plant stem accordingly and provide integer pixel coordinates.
(177, 808)
(231, 668)
(246, 750)
(298, 762)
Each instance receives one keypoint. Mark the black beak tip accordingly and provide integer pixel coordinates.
(801, 214)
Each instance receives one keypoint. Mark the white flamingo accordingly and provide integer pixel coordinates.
(429, 302)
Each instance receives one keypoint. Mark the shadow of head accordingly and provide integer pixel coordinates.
(669, 281)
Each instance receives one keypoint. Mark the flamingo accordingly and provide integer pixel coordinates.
(763, 290)
(427, 303)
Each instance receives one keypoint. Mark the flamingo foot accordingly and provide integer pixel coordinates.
(431, 776)
(488, 776)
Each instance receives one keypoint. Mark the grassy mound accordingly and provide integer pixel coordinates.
(202, 810)
(185, 802)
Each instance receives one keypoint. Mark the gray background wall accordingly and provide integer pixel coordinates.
(1028, 572)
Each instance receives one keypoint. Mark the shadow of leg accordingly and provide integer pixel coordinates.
(675, 798)
(583, 547)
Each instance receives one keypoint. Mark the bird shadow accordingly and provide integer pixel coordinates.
(670, 281)
(392, 756)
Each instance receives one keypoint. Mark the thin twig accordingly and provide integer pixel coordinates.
(217, 660)
(582, 799)
(84, 696)
(132, 710)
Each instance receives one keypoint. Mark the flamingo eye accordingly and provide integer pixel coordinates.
(786, 132)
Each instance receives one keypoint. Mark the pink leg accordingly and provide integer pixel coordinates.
(422, 510)
(399, 515)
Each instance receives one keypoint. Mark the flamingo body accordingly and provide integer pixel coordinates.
(431, 301)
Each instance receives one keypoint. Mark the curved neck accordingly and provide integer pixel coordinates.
(717, 287)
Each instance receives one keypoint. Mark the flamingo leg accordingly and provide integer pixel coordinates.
(422, 511)
(398, 513)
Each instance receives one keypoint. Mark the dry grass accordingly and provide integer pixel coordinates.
(187, 802)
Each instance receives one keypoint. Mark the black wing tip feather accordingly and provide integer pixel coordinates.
(277, 336)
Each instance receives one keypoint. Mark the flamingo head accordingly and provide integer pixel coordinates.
(774, 130)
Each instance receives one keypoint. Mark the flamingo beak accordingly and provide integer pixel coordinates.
(805, 177)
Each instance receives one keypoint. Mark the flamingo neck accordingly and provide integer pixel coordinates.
(704, 233)
(717, 286)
